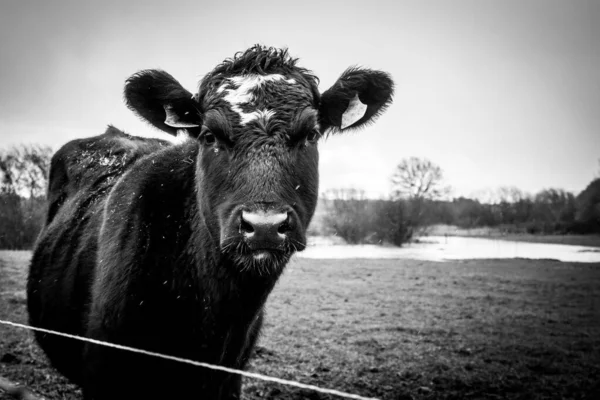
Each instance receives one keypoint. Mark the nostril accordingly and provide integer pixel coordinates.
(285, 226)
(245, 226)
(264, 226)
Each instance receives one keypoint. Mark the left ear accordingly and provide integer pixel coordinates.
(358, 97)
(159, 99)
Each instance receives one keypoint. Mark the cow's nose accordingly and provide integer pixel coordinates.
(264, 229)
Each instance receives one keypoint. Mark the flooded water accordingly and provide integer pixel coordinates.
(457, 248)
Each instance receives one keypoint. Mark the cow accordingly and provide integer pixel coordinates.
(174, 246)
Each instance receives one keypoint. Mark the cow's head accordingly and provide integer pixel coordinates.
(258, 118)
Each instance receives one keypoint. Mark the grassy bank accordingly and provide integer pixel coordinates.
(573, 240)
(495, 233)
(396, 330)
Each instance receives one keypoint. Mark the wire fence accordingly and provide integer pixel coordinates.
(194, 363)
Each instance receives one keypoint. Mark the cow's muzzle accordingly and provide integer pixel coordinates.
(263, 228)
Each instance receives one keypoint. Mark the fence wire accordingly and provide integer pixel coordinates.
(195, 363)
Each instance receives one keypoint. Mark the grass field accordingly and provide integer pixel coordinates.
(395, 329)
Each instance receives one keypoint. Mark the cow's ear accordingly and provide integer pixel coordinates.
(355, 99)
(160, 100)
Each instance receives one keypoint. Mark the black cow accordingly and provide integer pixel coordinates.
(174, 248)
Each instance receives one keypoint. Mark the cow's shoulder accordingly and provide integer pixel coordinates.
(91, 166)
(160, 183)
(148, 220)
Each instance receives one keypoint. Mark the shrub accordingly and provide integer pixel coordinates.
(360, 220)
(20, 220)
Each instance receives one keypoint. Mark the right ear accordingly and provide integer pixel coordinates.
(159, 99)
(356, 99)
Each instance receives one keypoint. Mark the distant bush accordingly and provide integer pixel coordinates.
(21, 220)
(391, 224)
(23, 181)
(587, 216)
(11, 221)
(348, 217)
(357, 220)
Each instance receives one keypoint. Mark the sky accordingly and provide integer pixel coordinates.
(497, 93)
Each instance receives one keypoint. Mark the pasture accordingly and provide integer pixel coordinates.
(393, 329)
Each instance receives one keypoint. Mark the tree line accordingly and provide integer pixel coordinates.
(416, 201)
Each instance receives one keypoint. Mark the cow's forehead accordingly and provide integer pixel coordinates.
(256, 96)
(250, 82)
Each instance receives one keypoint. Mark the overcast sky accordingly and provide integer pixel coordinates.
(498, 93)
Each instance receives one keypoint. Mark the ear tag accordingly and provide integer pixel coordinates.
(173, 120)
(355, 111)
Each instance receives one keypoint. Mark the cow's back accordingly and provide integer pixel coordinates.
(82, 174)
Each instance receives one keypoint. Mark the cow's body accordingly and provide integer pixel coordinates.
(174, 248)
(119, 195)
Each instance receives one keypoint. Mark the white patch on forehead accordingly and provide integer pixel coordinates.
(249, 82)
(264, 114)
(242, 94)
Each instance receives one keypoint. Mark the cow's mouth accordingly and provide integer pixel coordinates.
(264, 259)
(261, 261)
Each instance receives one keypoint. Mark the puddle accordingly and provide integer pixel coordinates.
(457, 248)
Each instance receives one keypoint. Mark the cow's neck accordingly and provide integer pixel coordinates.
(224, 284)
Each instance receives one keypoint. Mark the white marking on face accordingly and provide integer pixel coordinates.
(263, 218)
(264, 114)
(246, 84)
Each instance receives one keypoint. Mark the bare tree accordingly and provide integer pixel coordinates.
(558, 204)
(344, 194)
(418, 181)
(588, 208)
(418, 178)
(24, 169)
(510, 194)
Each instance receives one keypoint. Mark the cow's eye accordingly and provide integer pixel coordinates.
(312, 136)
(209, 138)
